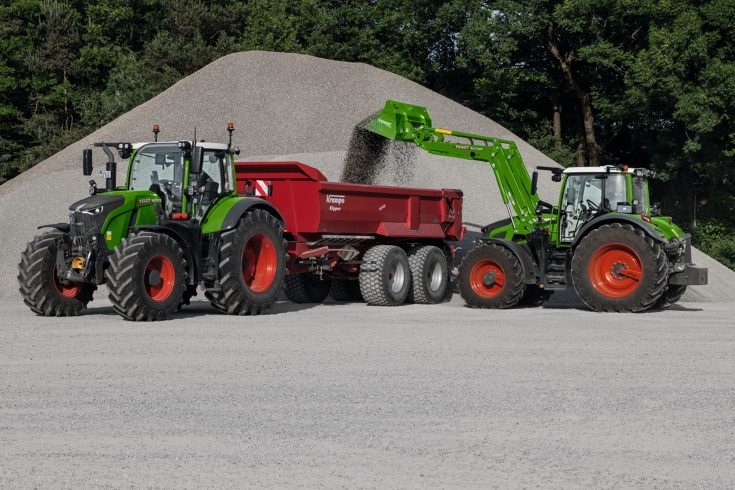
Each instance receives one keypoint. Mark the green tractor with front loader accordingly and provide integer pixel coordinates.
(604, 238)
(176, 223)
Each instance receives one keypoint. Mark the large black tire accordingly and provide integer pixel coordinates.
(252, 265)
(534, 296)
(40, 289)
(490, 276)
(147, 277)
(307, 288)
(385, 276)
(429, 275)
(619, 268)
(671, 295)
(191, 291)
(346, 290)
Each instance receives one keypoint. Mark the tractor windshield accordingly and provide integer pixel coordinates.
(159, 167)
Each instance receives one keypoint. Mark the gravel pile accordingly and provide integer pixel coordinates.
(285, 107)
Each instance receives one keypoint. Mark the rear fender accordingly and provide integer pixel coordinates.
(191, 259)
(523, 254)
(617, 218)
(244, 206)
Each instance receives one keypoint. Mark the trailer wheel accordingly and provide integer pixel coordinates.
(490, 276)
(429, 275)
(672, 294)
(385, 276)
(618, 268)
(41, 290)
(252, 264)
(147, 277)
(346, 290)
(534, 296)
(307, 288)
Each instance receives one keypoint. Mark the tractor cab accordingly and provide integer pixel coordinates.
(588, 192)
(166, 169)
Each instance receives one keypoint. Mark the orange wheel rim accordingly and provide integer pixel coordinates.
(159, 278)
(66, 290)
(615, 270)
(487, 278)
(259, 263)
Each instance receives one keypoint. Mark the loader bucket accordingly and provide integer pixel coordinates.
(397, 121)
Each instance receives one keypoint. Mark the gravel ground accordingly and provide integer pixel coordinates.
(286, 107)
(350, 396)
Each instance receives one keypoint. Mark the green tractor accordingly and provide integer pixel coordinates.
(178, 222)
(604, 239)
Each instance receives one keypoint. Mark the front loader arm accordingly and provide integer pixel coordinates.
(405, 122)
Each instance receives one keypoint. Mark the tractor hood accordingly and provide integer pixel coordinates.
(95, 205)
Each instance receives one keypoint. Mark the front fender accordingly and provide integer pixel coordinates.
(523, 254)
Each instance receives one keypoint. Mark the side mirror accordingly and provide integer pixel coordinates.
(534, 183)
(556, 177)
(197, 160)
(87, 162)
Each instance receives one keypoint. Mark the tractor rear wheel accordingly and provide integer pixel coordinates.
(385, 276)
(429, 275)
(346, 290)
(147, 277)
(490, 276)
(252, 264)
(672, 294)
(42, 291)
(307, 288)
(618, 268)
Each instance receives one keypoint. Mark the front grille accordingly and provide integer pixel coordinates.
(85, 224)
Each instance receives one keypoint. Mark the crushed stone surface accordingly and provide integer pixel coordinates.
(352, 396)
(287, 107)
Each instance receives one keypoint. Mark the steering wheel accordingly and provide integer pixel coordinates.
(592, 206)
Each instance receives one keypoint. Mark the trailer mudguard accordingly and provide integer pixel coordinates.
(191, 248)
(523, 254)
(64, 227)
(241, 207)
(613, 218)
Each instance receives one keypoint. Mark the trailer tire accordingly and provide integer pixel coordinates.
(307, 288)
(40, 289)
(671, 295)
(252, 264)
(599, 263)
(385, 276)
(147, 277)
(346, 290)
(429, 275)
(490, 276)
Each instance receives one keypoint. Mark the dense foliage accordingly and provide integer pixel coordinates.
(646, 82)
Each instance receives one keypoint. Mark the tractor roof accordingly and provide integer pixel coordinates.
(204, 144)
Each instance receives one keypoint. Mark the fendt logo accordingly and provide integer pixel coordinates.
(333, 199)
(465, 147)
(381, 121)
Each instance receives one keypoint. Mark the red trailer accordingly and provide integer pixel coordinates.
(384, 244)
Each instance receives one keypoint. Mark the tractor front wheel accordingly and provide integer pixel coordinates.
(671, 295)
(252, 265)
(618, 268)
(42, 292)
(147, 277)
(490, 276)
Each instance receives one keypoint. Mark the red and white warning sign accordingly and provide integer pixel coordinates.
(261, 188)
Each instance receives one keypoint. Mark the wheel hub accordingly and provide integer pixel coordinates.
(154, 278)
(616, 268)
(488, 278)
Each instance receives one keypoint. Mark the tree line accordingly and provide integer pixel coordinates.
(589, 82)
